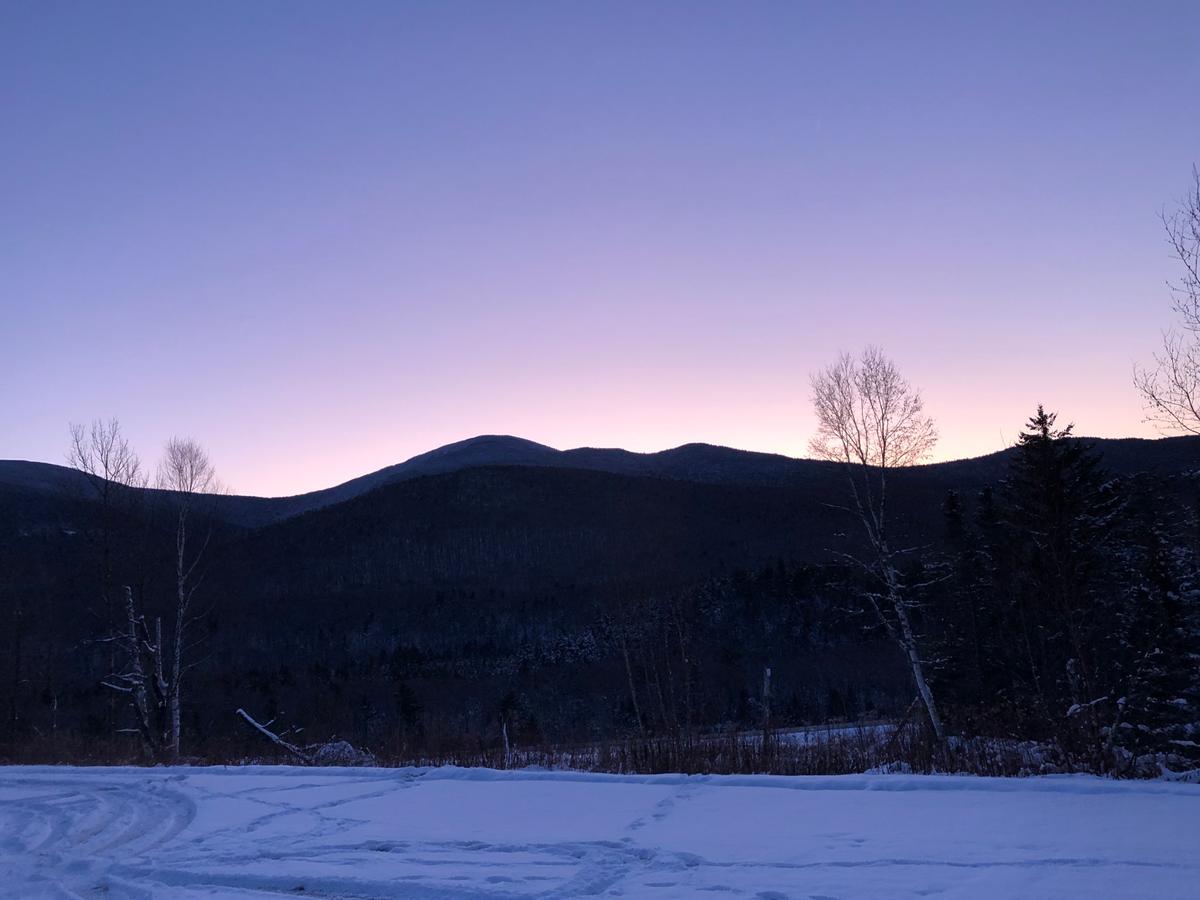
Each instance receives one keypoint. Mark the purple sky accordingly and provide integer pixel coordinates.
(324, 237)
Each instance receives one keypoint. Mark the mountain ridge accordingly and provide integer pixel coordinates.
(696, 461)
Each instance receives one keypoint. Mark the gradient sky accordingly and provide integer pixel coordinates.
(323, 237)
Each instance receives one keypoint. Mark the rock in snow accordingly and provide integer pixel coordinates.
(469, 833)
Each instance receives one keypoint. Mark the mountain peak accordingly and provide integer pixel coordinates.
(697, 462)
(500, 445)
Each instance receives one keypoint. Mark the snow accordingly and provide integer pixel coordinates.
(476, 833)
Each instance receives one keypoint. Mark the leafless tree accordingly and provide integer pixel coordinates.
(146, 693)
(185, 473)
(102, 453)
(870, 419)
(144, 667)
(110, 468)
(112, 473)
(1171, 388)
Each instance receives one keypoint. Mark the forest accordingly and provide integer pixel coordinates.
(1035, 610)
(1050, 591)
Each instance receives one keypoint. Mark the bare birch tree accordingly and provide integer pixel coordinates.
(185, 473)
(1171, 388)
(110, 468)
(144, 667)
(871, 420)
(112, 472)
(131, 678)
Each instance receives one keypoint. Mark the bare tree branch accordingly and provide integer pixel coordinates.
(870, 419)
(1170, 388)
(274, 738)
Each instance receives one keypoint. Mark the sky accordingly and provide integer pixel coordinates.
(323, 237)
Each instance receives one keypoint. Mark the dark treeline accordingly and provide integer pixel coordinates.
(403, 667)
(1054, 602)
(1071, 614)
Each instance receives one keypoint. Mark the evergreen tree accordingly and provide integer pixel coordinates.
(1157, 717)
(1060, 512)
(1073, 614)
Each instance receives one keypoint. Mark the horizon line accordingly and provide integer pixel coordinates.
(512, 437)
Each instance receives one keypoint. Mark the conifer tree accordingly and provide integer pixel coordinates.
(1157, 717)
(1060, 509)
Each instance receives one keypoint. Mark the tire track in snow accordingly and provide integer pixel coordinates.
(358, 834)
(78, 829)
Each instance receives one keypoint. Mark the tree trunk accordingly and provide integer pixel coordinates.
(637, 709)
(766, 705)
(176, 676)
(276, 739)
(136, 678)
(908, 641)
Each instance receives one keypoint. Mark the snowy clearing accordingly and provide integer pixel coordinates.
(474, 833)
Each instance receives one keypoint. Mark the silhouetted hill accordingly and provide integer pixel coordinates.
(702, 463)
(524, 527)
(490, 580)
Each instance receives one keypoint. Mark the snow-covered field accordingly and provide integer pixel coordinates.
(451, 833)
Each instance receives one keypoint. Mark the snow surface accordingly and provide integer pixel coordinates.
(474, 833)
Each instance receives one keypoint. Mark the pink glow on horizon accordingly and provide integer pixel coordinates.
(324, 240)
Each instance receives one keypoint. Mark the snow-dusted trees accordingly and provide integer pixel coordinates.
(185, 473)
(1171, 388)
(1061, 516)
(655, 641)
(143, 686)
(1073, 614)
(1156, 714)
(870, 419)
(145, 666)
(1033, 606)
(111, 473)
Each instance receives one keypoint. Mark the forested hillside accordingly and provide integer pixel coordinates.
(560, 604)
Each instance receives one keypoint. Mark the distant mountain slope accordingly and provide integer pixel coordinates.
(37, 477)
(494, 574)
(703, 463)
